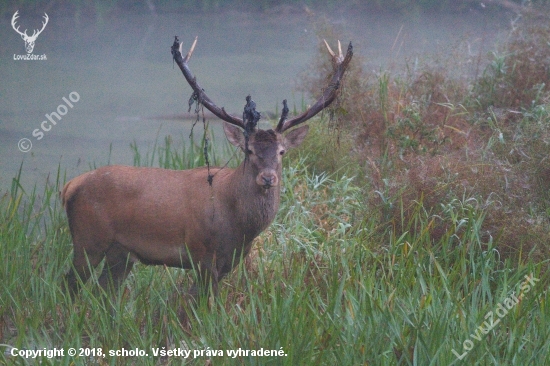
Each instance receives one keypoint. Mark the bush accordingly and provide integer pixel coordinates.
(518, 75)
(427, 139)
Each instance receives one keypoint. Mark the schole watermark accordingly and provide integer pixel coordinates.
(25, 144)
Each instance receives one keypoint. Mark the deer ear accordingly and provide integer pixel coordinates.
(295, 137)
(234, 135)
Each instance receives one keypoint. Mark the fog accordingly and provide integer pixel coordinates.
(113, 81)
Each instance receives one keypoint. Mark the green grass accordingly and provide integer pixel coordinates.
(405, 228)
(327, 283)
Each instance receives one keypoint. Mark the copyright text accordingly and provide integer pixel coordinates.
(136, 352)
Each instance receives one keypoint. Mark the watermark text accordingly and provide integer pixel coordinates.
(25, 144)
(501, 311)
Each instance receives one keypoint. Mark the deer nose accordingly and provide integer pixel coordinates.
(267, 179)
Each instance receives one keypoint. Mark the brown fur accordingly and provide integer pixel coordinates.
(158, 216)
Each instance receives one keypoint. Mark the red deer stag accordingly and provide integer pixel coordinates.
(183, 218)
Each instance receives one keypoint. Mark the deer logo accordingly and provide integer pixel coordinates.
(29, 40)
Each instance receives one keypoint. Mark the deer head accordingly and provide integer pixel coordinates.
(29, 40)
(272, 140)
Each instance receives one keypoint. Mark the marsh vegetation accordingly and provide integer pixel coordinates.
(415, 208)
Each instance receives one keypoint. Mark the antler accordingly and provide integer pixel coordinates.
(34, 34)
(339, 66)
(199, 93)
(14, 20)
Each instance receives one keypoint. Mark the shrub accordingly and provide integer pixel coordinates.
(428, 140)
(518, 75)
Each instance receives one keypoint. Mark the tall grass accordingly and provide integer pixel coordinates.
(396, 243)
(325, 284)
(187, 154)
(430, 135)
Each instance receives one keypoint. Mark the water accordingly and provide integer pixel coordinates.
(120, 85)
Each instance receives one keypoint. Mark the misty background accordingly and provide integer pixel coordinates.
(117, 58)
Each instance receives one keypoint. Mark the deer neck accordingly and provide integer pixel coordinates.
(255, 204)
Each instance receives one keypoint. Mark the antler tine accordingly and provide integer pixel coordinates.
(14, 21)
(339, 66)
(34, 33)
(198, 91)
(14, 18)
(188, 56)
(46, 18)
(329, 49)
(284, 116)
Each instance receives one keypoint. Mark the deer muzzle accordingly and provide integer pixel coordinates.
(267, 178)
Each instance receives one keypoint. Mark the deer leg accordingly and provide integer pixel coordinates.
(83, 264)
(118, 265)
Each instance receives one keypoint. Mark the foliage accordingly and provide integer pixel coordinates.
(396, 247)
(428, 136)
(518, 76)
(323, 284)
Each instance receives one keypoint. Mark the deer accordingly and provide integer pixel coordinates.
(29, 40)
(203, 219)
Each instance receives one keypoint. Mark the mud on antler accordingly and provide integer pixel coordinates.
(339, 65)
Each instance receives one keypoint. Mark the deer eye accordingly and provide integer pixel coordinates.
(249, 152)
(282, 152)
